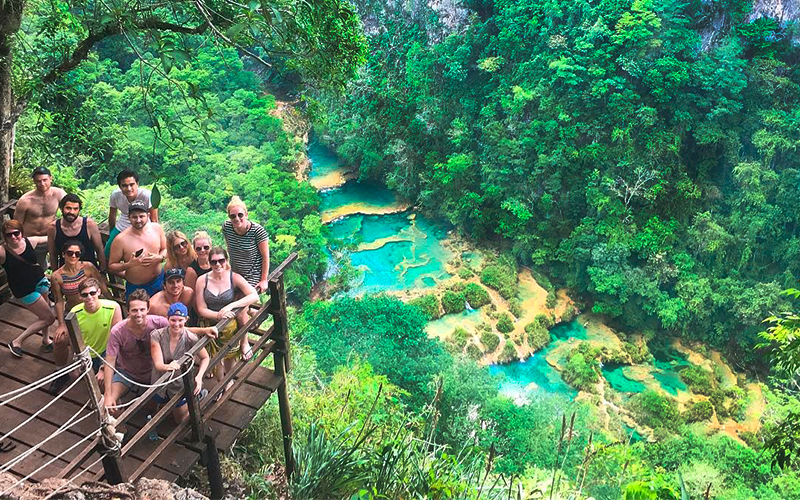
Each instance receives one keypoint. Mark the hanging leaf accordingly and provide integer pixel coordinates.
(155, 196)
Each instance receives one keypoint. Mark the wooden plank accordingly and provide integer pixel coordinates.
(32, 462)
(265, 378)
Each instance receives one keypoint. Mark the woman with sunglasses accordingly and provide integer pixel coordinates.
(180, 253)
(27, 282)
(248, 245)
(67, 280)
(215, 299)
(200, 265)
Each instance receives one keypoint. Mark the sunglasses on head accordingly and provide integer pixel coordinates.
(234, 216)
(72, 253)
(204, 248)
(90, 293)
(182, 244)
(13, 233)
(214, 262)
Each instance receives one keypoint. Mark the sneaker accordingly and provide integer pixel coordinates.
(203, 393)
(56, 385)
(15, 350)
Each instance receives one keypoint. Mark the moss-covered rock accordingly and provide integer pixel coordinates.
(508, 353)
(453, 302)
(476, 295)
(504, 323)
(429, 304)
(490, 341)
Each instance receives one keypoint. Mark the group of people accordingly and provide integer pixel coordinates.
(176, 289)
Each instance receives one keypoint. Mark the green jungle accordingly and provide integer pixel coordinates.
(547, 249)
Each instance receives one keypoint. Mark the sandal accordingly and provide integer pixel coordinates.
(15, 350)
(47, 347)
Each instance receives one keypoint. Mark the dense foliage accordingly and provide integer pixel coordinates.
(630, 149)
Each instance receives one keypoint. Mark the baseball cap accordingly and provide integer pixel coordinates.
(178, 309)
(175, 272)
(41, 170)
(137, 205)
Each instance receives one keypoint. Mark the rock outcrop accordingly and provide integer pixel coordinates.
(143, 489)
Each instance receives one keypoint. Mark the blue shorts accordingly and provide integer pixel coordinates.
(151, 288)
(111, 235)
(42, 288)
(134, 388)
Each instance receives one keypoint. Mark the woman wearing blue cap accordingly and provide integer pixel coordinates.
(167, 346)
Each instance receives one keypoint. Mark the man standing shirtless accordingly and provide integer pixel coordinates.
(174, 291)
(36, 210)
(139, 251)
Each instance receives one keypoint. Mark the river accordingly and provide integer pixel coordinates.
(403, 252)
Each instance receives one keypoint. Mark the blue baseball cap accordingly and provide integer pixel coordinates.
(178, 309)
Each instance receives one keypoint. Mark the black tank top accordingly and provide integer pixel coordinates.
(199, 270)
(88, 254)
(22, 270)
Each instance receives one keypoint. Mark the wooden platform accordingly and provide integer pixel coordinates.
(225, 423)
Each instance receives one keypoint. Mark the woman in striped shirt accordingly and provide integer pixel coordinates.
(248, 245)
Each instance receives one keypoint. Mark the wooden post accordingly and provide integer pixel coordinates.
(209, 454)
(195, 419)
(110, 461)
(282, 365)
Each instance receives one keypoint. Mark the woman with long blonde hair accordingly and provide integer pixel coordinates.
(180, 253)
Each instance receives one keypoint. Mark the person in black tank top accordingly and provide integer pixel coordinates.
(64, 229)
(27, 282)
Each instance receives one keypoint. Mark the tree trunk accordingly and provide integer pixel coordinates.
(10, 19)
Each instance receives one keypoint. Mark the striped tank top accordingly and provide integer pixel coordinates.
(70, 284)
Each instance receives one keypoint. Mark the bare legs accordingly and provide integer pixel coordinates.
(45, 318)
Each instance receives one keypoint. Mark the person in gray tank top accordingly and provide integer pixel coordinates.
(216, 299)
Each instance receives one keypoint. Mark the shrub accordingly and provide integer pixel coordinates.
(504, 323)
(702, 410)
(542, 280)
(465, 273)
(717, 398)
(515, 308)
(429, 304)
(508, 353)
(655, 410)
(474, 352)
(544, 320)
(581, 371)
(452, 302)
(476, 295)
(460, 337)
(490, 341)
(700, 381)
(638, 351)
(551, 300)
(501, 278)
(538, 335)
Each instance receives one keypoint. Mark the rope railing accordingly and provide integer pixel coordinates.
(28, 388)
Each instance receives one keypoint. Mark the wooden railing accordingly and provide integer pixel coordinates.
(274, 340)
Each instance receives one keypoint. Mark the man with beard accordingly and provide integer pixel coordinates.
(36, 210)
(71, 226)
(138, 252)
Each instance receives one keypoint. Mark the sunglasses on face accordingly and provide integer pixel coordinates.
(182, 244)
(234, 216)
(13, 234)
(204, 248)
(214, 262)
(90, 293)
(72, 253)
